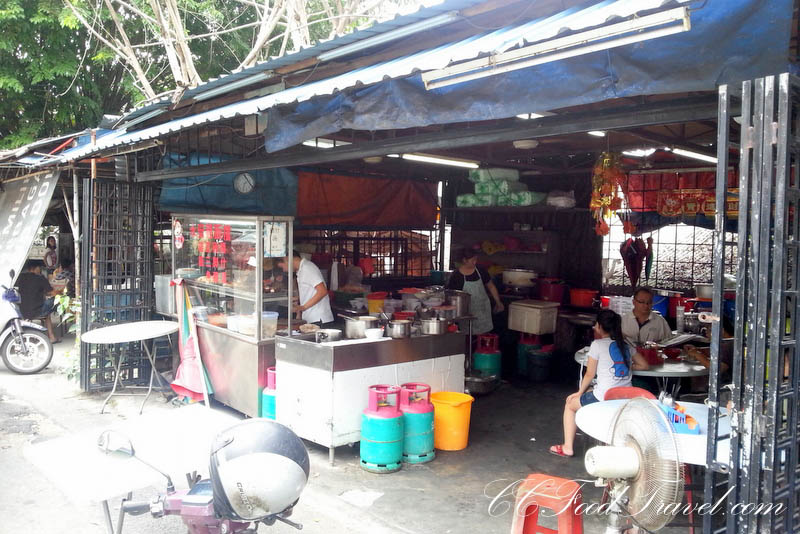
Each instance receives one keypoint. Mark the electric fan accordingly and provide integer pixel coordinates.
(641, 466)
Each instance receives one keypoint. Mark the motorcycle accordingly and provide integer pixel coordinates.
(24, 345)
(258, 468)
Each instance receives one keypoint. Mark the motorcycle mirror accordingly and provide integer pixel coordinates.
(11, 273)
(111, 442)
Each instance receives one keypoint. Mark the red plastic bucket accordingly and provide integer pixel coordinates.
(605, 302)
(582, 298)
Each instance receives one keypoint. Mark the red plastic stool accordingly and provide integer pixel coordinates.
(561, 495)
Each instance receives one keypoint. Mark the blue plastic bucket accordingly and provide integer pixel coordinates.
(661, 305)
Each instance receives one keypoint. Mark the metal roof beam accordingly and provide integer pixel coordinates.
(688, 110)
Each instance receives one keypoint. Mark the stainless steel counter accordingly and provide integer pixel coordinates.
(323, 388)
(352, 354)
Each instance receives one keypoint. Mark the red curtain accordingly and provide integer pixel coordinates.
(330, 199)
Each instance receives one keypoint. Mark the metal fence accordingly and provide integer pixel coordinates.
(117, 275)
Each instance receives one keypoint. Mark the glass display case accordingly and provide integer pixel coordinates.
(218, 257)
(232, 267)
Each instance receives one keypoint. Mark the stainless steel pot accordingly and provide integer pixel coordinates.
(445, 312)
(704, 291)
(459, 299)
(354, 328)
(519, 277)
(327, 334)
(399, 329)
(434, 326)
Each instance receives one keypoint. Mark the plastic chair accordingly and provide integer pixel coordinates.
(561, 495)
(628, 392)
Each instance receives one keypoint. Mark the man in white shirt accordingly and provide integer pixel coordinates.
(643, 324)
(315, 305)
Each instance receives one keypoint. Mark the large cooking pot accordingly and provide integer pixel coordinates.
(519, 277)
(355, 328)
(704, 291)
(691, 322)
(399, 328)
(445, 312)
(459, 299)
(434, 326)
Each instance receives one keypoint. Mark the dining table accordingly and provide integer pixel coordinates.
(140, 331)
(596, 420)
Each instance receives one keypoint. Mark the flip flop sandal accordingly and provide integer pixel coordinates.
(558, 450)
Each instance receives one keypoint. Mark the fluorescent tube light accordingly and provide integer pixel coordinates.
(538, 115)
(596, 133)
(321, 142)
(211, 93)
(147, 116)
(694, 155)
(425, 158)
(640, 152)
(665, 23)
(399, 33)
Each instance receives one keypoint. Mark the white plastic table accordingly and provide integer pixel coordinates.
(595, 420)
(127, 333)
(662, 372)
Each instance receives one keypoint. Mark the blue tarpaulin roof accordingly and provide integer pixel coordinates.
(730, 41)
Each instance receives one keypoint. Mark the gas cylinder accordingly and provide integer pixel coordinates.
(527, 344)
(382, 431)
(268, 396)
(415, 403)
(486, 358)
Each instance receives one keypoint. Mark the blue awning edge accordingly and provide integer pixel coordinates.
(730, 41)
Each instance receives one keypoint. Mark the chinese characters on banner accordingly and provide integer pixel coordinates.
(213, 245)
(677, 202)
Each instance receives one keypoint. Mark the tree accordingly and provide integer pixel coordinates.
(53, 79)
(168, 45)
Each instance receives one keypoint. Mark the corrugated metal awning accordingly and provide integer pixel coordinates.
(543, 29)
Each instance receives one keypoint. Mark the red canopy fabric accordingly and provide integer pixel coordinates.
(330, 200)
(656, 192)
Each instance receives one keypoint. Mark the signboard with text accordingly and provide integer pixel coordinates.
(23, 204)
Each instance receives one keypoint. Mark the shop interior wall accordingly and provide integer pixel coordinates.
(579, 248)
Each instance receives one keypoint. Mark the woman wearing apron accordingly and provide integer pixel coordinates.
(476, 281)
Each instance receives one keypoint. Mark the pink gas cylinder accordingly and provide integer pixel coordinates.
(415, 403)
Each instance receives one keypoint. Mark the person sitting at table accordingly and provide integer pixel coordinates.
(611, 359)
(33, 288)
(642, 324)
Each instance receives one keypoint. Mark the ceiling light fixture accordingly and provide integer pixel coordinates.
(525, 144)
(437, 160)
(539, 115)
(694, 155)
(597, 133)
(640, 152)
(399, 33)
(661, 24)
(321, 142)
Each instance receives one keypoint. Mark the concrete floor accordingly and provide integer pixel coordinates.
(459, 492)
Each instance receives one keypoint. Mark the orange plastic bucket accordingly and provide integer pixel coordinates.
(451, 412)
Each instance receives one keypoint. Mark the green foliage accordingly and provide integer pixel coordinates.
(69, 310)
(50, 82)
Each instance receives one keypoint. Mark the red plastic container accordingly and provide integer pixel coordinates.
(271, 378)
(552, 289)
(651, 355)
(582, 298)
(605, 302)
(404, 315)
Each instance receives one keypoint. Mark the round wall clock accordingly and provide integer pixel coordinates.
(244, 183)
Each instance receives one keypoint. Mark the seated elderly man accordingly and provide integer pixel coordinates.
(37, 296)
(643, 325)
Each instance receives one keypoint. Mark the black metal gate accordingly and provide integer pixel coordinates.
(117, 274)
(758, 479)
